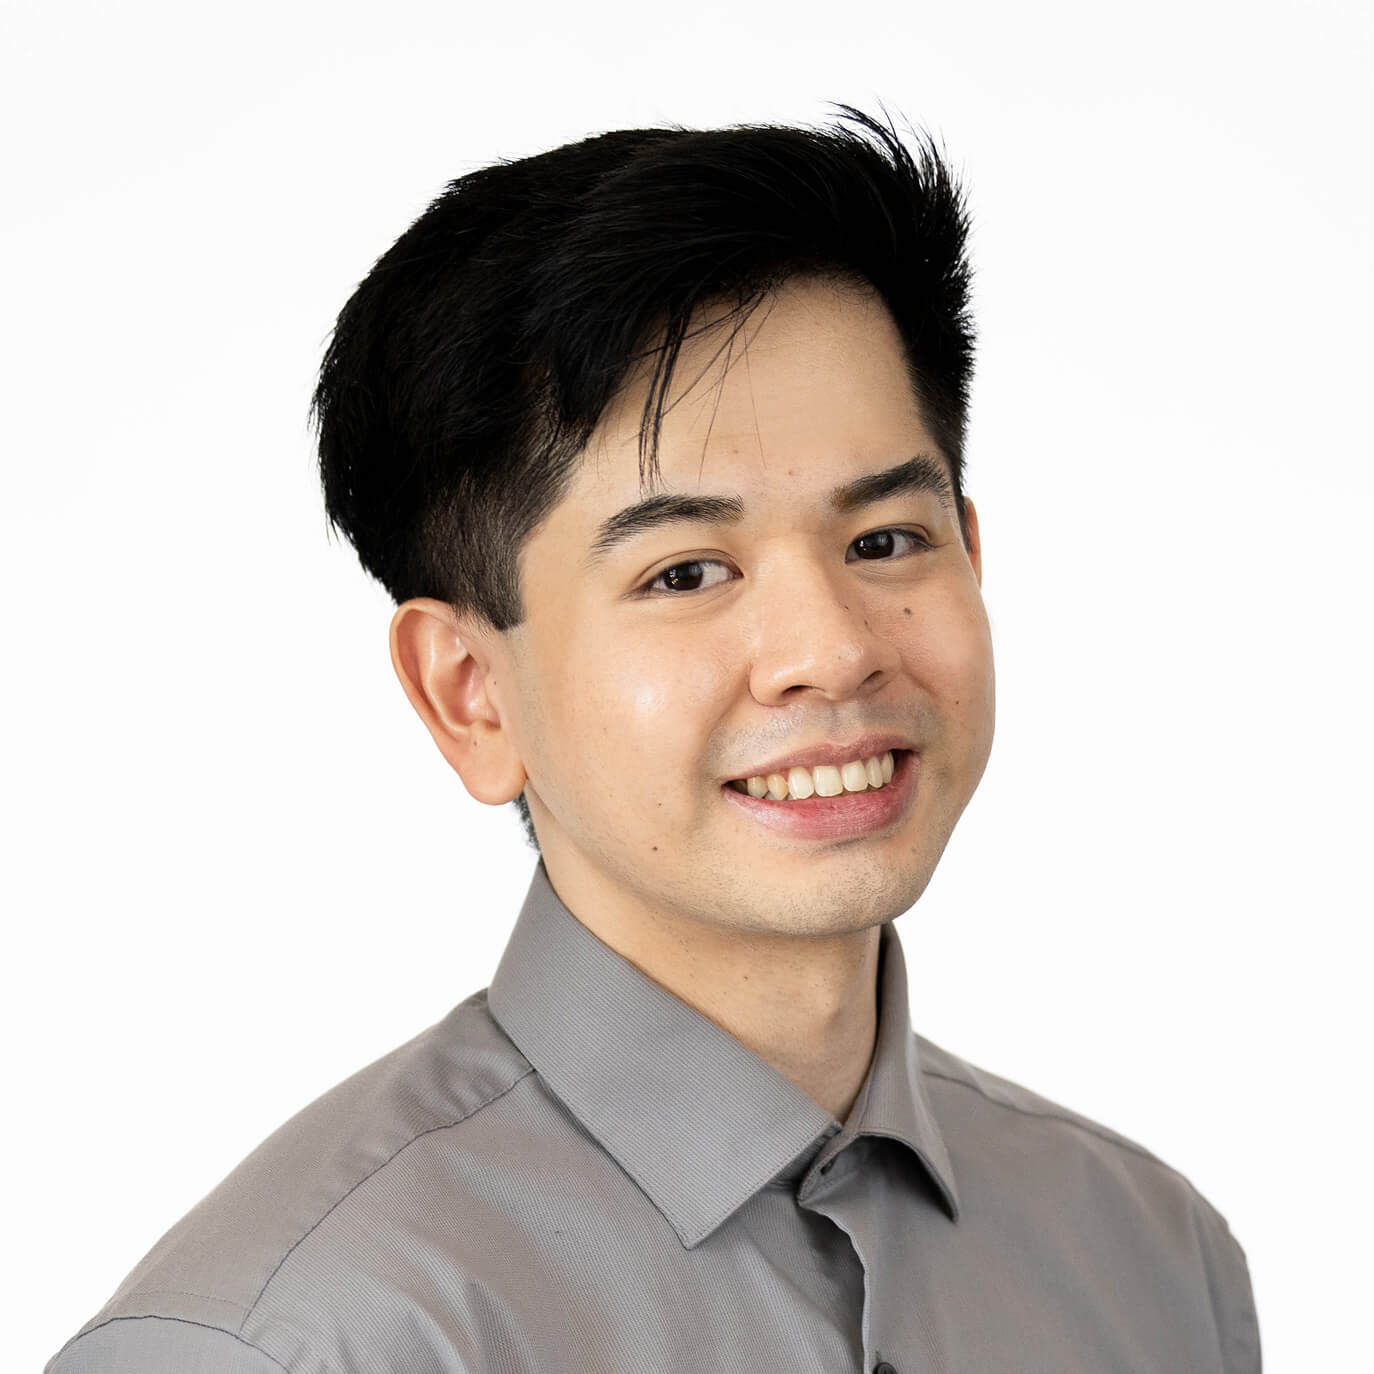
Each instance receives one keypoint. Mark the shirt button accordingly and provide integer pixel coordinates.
(884, 1368)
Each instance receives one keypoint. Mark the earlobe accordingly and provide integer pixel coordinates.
(444, 668)
(975, 541)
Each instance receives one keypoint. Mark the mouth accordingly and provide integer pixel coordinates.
(845, 815)
(829, 784)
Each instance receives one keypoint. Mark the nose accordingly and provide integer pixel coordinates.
(813, 629)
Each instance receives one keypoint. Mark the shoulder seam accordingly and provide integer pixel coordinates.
(429, 1130)
(163, 1317)
(1088, 1127)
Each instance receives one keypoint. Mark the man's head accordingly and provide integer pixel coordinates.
(769, 315)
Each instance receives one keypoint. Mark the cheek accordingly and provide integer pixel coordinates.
(677, 684)
(631, 697)
(949, 651)
(649, 700)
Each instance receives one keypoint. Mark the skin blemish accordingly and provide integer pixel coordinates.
(906, 610)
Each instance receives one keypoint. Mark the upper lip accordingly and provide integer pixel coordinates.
(835, 753)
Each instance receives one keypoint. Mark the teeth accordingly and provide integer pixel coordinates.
(825, 780)
(855, 776)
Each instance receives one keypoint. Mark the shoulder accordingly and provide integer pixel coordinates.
(1034, 1163)
(987, 1117)
(199, 1285)
(160, 1345)
(974, 1096)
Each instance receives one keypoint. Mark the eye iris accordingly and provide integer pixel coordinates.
(881, 537)
(672, 577)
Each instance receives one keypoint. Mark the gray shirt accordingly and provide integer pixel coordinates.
(576, 1171)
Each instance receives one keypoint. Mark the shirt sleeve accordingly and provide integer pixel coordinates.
(160, 1345)
(1234, 1300)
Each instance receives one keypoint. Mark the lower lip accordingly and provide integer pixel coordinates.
(836, 818)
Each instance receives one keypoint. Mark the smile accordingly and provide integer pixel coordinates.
(830, 815)
(824, 780)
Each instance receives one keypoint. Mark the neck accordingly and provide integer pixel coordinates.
(807, 1005)
(814, 1020)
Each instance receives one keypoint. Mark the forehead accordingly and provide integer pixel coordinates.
(809, 390)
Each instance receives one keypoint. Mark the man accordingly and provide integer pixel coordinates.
(656, 439)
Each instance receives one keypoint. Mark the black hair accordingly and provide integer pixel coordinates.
(469, 369)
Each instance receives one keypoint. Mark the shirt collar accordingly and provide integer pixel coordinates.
(695, 1117)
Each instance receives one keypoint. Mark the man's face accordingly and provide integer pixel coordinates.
(634, 699)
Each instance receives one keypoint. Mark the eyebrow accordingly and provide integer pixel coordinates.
(922, 473)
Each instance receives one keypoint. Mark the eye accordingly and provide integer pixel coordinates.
(881, 542)
(673, 580)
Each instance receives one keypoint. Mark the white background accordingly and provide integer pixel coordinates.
(235, 867)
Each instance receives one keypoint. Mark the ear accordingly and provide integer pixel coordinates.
(445, 666)
(975, 542)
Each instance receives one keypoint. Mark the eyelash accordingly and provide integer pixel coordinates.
(648, 589)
